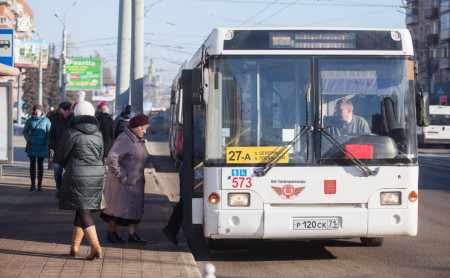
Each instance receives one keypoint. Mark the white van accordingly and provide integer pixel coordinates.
(438, 132)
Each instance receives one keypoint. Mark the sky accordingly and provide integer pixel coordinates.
(175, 29)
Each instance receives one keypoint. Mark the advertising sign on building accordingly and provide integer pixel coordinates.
(84, 73)
(26, 54)
(6, 47)
(107, 94)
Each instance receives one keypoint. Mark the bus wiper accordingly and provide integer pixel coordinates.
(358, 163)
(279, 154)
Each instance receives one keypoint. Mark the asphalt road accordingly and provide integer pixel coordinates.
(426, 255)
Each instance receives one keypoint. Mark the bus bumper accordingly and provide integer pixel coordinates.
(278, 222)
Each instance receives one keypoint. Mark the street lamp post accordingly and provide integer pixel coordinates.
(63, 55)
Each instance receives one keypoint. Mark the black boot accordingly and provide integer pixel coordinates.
(114, 237)
(32, 187)
(170, 235)
(134, 238)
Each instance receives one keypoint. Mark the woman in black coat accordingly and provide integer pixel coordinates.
(81, 154)
(107, 129)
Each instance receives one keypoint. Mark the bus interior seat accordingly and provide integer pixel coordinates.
(383, 123)
(386, 125)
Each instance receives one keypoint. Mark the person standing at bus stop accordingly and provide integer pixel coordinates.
(81, 154)
(36, 131)
(106, 127)
(59, 125)
(125, 181)
(122, 121)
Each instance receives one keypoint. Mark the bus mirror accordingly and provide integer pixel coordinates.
(422, 109)
(196, 86)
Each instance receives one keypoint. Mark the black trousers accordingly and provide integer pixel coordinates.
(40, 167)
(176, 218)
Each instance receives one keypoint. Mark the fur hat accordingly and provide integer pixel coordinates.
(139, 120)
(38, 106)
(83, 107)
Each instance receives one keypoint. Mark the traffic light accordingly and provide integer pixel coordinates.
(443, 100)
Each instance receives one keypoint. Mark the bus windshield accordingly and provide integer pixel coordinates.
(262, 105)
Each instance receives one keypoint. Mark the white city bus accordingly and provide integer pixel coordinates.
(259, 121)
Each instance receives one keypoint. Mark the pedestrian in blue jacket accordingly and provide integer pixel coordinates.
(36, 131)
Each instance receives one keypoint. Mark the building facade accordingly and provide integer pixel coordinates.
(429, 24)
(16, 15)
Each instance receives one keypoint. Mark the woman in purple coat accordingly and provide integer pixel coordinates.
(125, 181)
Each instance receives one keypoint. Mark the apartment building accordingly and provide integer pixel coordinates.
(429, 24)
(15, 15)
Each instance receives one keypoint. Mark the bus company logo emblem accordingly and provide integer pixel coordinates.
(329, 186)
(288, 191)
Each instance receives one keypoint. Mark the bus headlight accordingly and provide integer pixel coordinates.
(238, 199)
(391, 198)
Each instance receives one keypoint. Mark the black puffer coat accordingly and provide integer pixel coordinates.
(81, 153)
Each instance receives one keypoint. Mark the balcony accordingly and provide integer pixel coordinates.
(432, 39)
(416, 44)
(445, 34)
(6, 2)
(444, 63)
(445, 7)
(411, 20)
(432, 13)
(412, 17)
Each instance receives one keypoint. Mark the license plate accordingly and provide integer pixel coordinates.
(316, 223)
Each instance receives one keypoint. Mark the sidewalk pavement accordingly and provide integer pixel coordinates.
(35, 236)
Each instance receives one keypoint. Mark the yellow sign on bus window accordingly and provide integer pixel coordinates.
(251, 155)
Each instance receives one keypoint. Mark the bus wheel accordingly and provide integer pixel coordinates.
(371, 241)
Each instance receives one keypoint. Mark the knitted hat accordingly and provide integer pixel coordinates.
(139, 120)
(100, 105)
(126, 109)
(83, 107)
(38, 106)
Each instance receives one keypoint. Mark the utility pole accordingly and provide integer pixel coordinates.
(137, 77)
(123, 55)
(40, 74)
(63, 66)
(63, 79)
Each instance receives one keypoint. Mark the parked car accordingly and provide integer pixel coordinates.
(156, 124)
(438, 132)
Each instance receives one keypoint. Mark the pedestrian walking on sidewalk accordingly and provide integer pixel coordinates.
(36, 131)
(125, 181)
(81, 154)
(59, 125)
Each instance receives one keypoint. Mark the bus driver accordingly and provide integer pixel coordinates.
(345, 122)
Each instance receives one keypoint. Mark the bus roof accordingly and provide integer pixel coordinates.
(309, 41)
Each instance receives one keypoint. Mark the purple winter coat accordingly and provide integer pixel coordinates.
(127, 158)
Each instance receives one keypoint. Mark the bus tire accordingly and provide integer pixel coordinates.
(371, 241)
